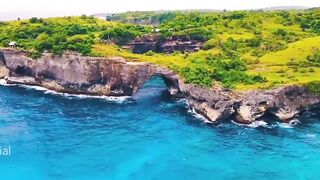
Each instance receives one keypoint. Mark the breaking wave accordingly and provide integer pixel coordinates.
(288, 125)
(264, 124)
(121, 99)
(193, 112)
(254, 124)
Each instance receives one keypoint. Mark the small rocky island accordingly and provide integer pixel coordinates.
(115, 76)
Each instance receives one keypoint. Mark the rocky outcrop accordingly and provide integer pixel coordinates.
(284, 102)
(215, 104)
(3, 69)
(169, 45)
(114, 76)
(73, 73)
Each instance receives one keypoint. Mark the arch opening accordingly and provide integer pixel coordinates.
(170, 81)
(153, 88)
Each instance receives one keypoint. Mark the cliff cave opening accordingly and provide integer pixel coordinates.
(154, 88)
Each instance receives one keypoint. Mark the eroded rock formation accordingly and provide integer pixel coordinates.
(115, 76)
(284, 103)
(72, 73)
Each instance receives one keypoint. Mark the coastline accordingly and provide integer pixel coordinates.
(116, 99)
(114, 78)
(127, 99)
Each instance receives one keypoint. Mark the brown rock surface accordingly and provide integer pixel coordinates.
(76, 74)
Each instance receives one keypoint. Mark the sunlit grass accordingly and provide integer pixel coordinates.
(274, 66)
(297, 51)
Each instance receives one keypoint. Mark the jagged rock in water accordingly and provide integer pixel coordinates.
(218, 104)
(284, 102)
(215, 104)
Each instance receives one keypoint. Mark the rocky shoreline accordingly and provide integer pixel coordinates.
(114, 76)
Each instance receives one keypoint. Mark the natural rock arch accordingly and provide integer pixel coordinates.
(73, 73)
(174, 83)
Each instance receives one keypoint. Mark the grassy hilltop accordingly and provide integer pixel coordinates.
(243, 50)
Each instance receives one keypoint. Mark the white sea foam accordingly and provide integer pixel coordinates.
(70, 96)
(290, 124)
(258, 124)
(4, 82)
(254, 124)
(294, 122)
(193, 112)
(285, 125)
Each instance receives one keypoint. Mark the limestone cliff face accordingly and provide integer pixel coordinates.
(216, 104)
(76, 74)
(115, 76)
(3, 70)
(284, 103)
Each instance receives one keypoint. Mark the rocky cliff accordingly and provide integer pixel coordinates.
(114, 76)
(73, 73)
(284, 103)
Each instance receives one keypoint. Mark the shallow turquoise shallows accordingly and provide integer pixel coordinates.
(151, 137)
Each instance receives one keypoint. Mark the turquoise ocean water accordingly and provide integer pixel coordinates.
(153, 136)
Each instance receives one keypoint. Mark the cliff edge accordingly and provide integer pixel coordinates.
(114, 76)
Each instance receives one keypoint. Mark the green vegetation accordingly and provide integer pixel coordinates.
(242, 50)
(314, 87)
(54, 34)
(124, 33)
(143, 17)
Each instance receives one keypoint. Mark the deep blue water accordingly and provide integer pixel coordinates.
(151, 137)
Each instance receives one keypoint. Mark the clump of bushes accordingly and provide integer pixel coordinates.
(311, 61)
(210, 44)
(59, 42)
(123, 34)
(314, 59)
(230, 71)
(199, 34)
(314, 87)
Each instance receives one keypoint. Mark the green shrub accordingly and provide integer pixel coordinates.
(210, 44)
(314, 58)
(199, 34)
(35, 20)
(123, 34)
(149, 53)
(314, 87)
(165, 35)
